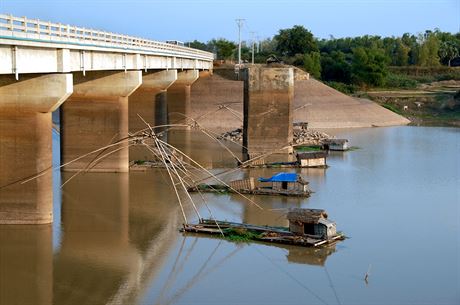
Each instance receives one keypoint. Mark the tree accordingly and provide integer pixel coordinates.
(428, 54)
(400, 54)
(197, 45)
(335, 67)
(448, 50)
(410, 41)
(223, 48)
(369, 66)
(312, 64)
(297, 40)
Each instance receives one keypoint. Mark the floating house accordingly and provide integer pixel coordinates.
(287, 182)
(311, 222)
(283, 184)
(307, 227)
(336, 144)
(312, 159)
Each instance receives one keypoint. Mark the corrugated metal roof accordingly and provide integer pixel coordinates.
(281, 177)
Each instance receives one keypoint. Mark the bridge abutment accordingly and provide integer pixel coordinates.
(26, 145)
(178, 96)
(268, 110)
(150, 102)
(94, 116)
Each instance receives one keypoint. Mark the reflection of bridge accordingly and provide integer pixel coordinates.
(114, 241)
(102, 80)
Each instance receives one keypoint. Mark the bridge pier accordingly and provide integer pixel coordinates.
(26, 145)
(150, 102)
(268, 110)
(95, 115)
(178, 96)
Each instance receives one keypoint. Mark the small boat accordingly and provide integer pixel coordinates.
(281, 184)
(307, 227)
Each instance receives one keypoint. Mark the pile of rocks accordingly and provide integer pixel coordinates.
(301, 136)
(310, 137)
(234, 135)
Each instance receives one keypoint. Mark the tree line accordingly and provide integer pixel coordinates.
(353, 61)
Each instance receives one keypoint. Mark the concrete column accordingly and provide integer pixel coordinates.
(96, 115)
(149, 101)
(268, 111)
(179, 97)
(26, 145)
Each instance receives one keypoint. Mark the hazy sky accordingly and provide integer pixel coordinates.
(205, 19)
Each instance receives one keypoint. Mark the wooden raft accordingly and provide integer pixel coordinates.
(217, 188)
(280, 235)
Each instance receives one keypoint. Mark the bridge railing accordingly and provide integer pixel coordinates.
(22, 27)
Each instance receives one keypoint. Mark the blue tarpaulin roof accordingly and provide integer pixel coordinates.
(281, 177)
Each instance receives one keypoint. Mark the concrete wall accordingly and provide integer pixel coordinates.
(209, 95)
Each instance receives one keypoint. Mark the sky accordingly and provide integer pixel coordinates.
(206, 19)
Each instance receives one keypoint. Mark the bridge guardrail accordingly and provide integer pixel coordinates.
(22, 27)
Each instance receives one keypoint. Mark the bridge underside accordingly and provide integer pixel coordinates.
(98, 109)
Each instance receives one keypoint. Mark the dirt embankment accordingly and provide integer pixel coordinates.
(217, 102)
(435, 104)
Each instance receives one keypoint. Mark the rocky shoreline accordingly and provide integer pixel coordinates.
(302, 136)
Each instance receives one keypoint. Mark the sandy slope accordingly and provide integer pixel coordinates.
(324, 107)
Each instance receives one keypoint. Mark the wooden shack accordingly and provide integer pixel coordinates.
(287, 182)
(244, 184)
(311, 222)
(312, 159)
(336, 144)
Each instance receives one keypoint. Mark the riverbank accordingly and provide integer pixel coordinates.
(432, 104)
(217, 102)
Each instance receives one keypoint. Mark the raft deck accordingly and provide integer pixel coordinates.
(280, 235)
(218, 188)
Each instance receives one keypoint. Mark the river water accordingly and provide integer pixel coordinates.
(115, 239)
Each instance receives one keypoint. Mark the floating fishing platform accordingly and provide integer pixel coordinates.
(307, 228)
(307, 157)
(281, 184)
(327, 145)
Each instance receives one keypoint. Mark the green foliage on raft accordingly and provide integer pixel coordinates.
(240, 235)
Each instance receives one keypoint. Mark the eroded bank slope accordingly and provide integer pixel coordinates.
(217, 102)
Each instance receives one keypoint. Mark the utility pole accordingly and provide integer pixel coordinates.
(239, 22)
(253, 45)
(258, 43)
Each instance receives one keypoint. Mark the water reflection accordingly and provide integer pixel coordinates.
(95, 254)
(110, 247)
(26, 264)
(310, 256)
(119, 242)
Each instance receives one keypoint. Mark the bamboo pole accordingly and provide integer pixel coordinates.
(211, 174)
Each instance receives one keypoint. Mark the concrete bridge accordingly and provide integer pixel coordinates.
(100, 81)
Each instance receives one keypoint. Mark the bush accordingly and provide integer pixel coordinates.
(344, 88)
(400, 81)
(457, 95)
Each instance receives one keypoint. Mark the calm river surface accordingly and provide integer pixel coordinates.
(116, 241)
